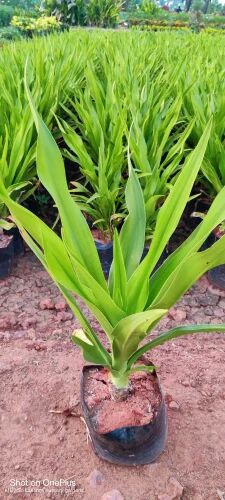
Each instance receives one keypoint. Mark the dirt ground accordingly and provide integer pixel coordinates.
(40, 374)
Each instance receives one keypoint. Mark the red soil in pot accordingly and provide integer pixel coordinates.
(218, 232)
(100, 236)
(139, 407)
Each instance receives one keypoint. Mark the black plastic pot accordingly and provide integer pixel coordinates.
(6, 259)
(200, 205)
(216, 277)
(105, 252)
(208, 242)
(18, 243)
(137, 445)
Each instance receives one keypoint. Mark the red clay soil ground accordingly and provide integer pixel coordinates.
(40, 375)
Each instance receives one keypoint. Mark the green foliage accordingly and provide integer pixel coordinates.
(216, 7)
(149, 7)
(103, 13)
(48, 82)
(121, 97)
(197, 5)
(161, 19)
(115, 106)
(6, 13)
(100, 92)
(31, 25)
(135, 298)
(157, 140)
(9, 33)
(202, 102)
(69, 12)
(95, 143)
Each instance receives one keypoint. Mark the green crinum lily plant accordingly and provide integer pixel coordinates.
(136, 297)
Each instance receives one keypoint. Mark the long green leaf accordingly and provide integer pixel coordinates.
(174, 333)
(117, 275)
(184, 276)
(91, 352)
(132, 235)
(213, 218)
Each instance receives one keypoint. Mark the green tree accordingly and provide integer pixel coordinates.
(67, 11)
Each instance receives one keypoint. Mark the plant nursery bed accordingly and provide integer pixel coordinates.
(43, 436)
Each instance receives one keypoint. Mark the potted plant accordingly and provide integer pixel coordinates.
(94, 143)
(11, 243)
(199, 105)
(121, 397)
(6, 254)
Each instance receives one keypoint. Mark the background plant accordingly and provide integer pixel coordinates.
(157, 137)
(49, 82)
(9, 33)
(103, 13)
(133, 92)
(96, 144)
(6, 14)
(68, 12)
(149, 7)
(201, 102)
(31, 26)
